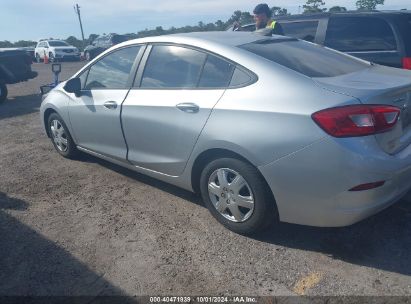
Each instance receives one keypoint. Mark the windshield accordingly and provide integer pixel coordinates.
(58, 43)
(306, 58)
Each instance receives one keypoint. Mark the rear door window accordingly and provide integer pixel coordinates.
(355, 34)
(305, 30)
(173, 67)
(216, 73)
(306, 58)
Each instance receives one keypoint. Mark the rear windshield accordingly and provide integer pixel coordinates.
(57, 43)
(306, 58)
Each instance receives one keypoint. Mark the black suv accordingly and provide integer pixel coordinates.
(15, 66)
(383, 37)
(101, 44)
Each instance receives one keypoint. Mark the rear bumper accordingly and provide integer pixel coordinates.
(311, 186)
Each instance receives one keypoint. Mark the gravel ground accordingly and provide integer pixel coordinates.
(87, 227)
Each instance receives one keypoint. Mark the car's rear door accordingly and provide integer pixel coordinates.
(167, 108)
(95, 115)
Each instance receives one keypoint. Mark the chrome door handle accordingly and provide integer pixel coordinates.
(110, 105)
(188, 107)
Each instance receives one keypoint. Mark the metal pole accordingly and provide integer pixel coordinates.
(77, 10)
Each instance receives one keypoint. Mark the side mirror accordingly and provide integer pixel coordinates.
(73, 86)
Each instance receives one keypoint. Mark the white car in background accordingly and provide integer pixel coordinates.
(55, 50)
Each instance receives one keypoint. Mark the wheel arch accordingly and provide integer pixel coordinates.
(46, 116)
(215, 153)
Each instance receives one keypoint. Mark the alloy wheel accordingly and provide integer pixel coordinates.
(231, 195)
(59, 135)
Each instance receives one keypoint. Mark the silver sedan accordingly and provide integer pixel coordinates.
(264, 128)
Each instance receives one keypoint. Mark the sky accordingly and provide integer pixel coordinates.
(33, 20)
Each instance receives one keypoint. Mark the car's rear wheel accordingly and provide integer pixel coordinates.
(3, 91)
(60, 136)
(237, 196)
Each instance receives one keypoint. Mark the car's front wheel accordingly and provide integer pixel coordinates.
(60, 136)
(3, 91)
(237, 195)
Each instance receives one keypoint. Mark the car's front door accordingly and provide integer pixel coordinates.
(164, 113)
(95, 115)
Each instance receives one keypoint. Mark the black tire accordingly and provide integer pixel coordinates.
(38, 59)
(3, 92)
(264, 209)
(70, 150)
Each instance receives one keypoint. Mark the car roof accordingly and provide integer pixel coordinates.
(229, 39)
(48, 40)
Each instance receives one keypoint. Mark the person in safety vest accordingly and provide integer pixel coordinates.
(262, 18)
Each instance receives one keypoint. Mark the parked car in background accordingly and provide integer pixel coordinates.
(101, 44)
(382, 37)
(264, 128)
(56, 50)
(15, 66)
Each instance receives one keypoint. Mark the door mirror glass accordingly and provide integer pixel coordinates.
(73, 86)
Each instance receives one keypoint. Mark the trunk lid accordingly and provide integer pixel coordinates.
(381, 86)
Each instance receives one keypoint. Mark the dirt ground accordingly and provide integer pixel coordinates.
(87, 227)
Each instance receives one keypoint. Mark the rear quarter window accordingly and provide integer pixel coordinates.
(350, 34)
(306, 58)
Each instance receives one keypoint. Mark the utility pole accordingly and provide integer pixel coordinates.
(77, 11)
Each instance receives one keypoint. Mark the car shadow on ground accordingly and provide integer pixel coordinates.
(32, 265)
(20, 105)
(382, 241)
(176, 191)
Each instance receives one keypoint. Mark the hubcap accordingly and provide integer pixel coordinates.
(59, 135)
(231, 195)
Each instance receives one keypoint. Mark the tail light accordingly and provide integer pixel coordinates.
(357, 120)
(406, 63)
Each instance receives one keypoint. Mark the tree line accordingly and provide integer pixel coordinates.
(311, 6)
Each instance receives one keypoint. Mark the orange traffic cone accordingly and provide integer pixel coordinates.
(46, 59)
